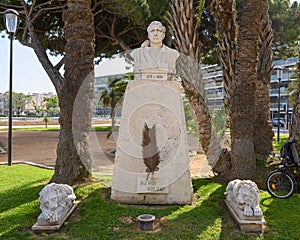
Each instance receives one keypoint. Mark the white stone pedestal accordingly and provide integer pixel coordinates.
(158, 103)
(54, 227)
(246, 224)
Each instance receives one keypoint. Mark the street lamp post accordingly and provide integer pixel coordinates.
(11, 22)
(279, 70)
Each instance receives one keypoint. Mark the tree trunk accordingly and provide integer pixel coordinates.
(189, 72)
(226, 26)
(243, 92)
(184, 24)
(73, 163)
(294, 131)
(263, 128)
(112, 115)
(225, 19)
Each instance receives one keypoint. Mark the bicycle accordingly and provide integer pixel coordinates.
(281, 183)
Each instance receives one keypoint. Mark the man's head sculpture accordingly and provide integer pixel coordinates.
(156, 34)
(157, 25)
(153, 58)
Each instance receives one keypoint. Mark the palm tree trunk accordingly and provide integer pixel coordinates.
(226, 26)
(201, 114)
(184, 24)
(112, 115)
(243, 92)
(294, 131)
(225, 19)
(73, 163)
(263, 128)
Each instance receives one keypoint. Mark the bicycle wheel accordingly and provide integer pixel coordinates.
(280, 184)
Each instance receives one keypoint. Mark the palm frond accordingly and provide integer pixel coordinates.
(150, 150)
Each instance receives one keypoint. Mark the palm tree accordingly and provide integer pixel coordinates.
(226, 26)
(113, 95)
(184, 23)
(263, 128)
(295, 126)
(292, 90)
(234, 52)
(243, 157)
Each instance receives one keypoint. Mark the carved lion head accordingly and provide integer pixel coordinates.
(54, 195)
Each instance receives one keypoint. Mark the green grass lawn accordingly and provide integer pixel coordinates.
(277, 145)
(99, 218)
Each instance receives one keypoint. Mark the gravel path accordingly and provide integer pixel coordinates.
(39, 147)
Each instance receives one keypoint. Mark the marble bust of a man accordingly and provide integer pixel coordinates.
(153, 57)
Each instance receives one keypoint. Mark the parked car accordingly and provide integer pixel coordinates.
(275, 122)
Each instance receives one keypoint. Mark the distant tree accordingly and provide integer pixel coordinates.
(191, 124)
(51, 105)
(41, 112)
(219, 121)
(48, 107)
(113, 95)
(19, 102)
(292, 88)
(207, 34)
(285, 19)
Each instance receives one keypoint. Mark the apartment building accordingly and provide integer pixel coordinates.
(38, 99)
(213, 84)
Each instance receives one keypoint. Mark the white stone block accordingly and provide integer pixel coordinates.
(156, 103)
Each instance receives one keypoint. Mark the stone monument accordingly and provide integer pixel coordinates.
(56, 204)
(242, 200)
(152, 161)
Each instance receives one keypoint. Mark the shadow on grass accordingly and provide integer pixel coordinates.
(15, 197)
(19, 192)
(282, 216)
(19, 207)
(102, 219)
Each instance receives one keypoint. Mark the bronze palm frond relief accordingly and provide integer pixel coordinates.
(150, 149)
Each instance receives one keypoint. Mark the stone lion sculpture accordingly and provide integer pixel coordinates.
(243, 196)
(55, 202)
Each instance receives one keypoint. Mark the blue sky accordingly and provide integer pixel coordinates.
(28, 74)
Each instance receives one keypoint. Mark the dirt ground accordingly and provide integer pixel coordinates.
(40, 147)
